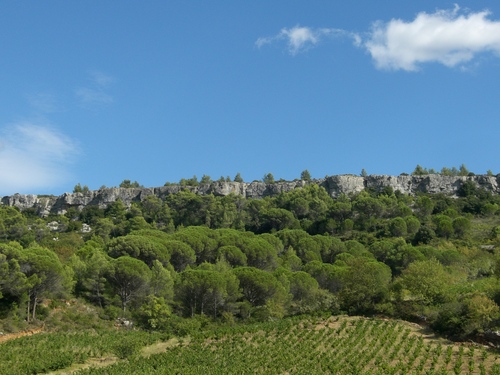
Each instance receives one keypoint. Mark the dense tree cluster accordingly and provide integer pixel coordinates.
(445, 171)
(427, 257)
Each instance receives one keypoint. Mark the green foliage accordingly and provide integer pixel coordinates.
(126, 349)
(461, 227)
(396, 254)
(238, 178)
(189, 209)
(189, 182)
(45, 276)
(90, 214)
(206, 292)
(467, 189)
(445, 171)
(463, 171)
(79, 189)
(182, 255)
(427, 282)
(471, 315)
(306, 294)
(443, 225)
(91, 266)
(205, 179)
(259, 252)
(127, 184)
(145, 248)
(259, 286)
(419, 171)
(398, 227)
(268, 178)
(154, 210)
(365, 284)
(276, 219)
(305, 175)
(199, 240)
(13, 225)
(233, 255)
(162, 282)
(368, 209)
(154, 314)
(129, 278)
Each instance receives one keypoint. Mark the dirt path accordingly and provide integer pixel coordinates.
(12, 336)
(159, 347)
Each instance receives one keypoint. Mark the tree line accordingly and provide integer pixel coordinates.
(268, 178)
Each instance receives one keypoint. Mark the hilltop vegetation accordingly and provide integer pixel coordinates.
(169, 265)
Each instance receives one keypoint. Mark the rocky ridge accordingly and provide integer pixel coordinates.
(334, 185)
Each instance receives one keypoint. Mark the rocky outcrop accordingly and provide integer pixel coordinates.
(334, 185)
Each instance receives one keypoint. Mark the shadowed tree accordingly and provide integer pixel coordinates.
(130, 279)
(206, 291)
(397, 227)
(91, 266)
(144, 248)
(258, 286)
(181, 254)
(45, 275)
(233, 255)
(13, 282)
(162, 283)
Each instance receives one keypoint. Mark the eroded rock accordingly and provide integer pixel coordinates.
(334, 185)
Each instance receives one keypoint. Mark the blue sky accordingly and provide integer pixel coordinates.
(95, 92)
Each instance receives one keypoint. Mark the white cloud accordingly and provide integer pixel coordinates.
(300, 38)
(32, 157)
(96, 94)
(449, 37)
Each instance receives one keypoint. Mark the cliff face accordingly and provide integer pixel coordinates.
(334, 185)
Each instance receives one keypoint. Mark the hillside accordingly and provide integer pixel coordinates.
(178, 260)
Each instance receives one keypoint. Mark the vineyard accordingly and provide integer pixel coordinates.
(337, 345)
(45, 352)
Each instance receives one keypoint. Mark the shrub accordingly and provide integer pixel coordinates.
(127, 348)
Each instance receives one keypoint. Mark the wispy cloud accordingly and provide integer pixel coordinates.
(43, 102)
(449, 37)
(95, 93)
(101, 79)
(93, 96)
(300, 38)
(33, 156)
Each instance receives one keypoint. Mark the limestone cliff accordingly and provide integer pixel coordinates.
(334, 185)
